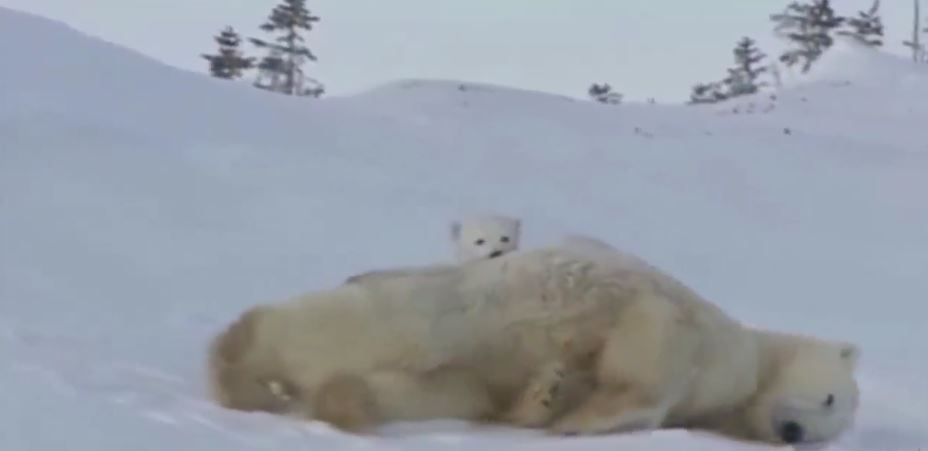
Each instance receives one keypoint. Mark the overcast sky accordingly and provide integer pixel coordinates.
(643, 48)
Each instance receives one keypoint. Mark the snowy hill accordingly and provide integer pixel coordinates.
(142, 207)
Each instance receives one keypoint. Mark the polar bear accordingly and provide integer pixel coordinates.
(493, 340)
(483, 237)
(474, 238)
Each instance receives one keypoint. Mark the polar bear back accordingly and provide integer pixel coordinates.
(506, 316)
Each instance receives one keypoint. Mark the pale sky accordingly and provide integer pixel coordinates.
(643, 48)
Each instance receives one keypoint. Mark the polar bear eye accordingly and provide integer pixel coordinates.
(829, 400)
(480, 242)
(504, 239)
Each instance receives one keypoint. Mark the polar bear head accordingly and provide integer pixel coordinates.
(812, 396)
(482, 237)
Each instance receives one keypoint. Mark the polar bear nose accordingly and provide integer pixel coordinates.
(495, 254)
(791, 432)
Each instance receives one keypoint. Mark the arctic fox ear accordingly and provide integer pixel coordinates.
(455, 230)
(850, 353)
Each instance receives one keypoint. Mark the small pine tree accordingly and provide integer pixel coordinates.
(918, 49)
(922, 55)
(288, 53)
(707, 93)
(808, 27)
(272, 77)
(743, 78)
(271, 72)
(604, 94)
(867, 27)
(229, 63)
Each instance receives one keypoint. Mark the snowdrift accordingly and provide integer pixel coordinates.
(143, 207)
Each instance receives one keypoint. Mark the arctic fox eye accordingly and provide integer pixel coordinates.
(504, 239)
(479, 242)
(829, 400)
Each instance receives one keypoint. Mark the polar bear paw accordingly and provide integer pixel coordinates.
(535, 406)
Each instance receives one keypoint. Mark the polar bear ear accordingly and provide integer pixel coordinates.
(849, 353)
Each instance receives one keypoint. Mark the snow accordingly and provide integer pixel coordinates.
(143, 207)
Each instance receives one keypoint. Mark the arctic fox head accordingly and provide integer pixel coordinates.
(482, 237)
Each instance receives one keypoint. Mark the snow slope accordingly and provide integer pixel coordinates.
(142, 208)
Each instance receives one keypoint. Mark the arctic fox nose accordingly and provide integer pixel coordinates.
(791, 432)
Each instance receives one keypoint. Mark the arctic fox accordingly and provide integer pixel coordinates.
(474, 238)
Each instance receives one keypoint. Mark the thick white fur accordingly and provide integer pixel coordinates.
(481, 237)
(466, 341)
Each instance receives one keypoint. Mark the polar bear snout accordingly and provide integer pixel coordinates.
(496, 253)
(791, 432)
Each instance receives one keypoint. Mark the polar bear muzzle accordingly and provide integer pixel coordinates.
(791, 432)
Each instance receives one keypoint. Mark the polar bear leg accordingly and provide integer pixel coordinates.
(446, 392)
(345, 401)
(612, 409)
(359, 404)
(535, 406)
(553, 390)
(643, 369)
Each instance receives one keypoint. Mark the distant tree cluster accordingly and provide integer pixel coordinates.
(809, 28)
(604, 94)
(281, 69)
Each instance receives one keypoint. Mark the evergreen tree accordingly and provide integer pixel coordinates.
(922, 54)
(918, 49)
(288, 52)
(271, 71)
(808, 27)
(229, 62)
(867, 27)
(707, 93)
(604, 94)
(743, 78)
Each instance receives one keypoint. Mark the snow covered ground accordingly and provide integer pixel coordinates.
(142, 208)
